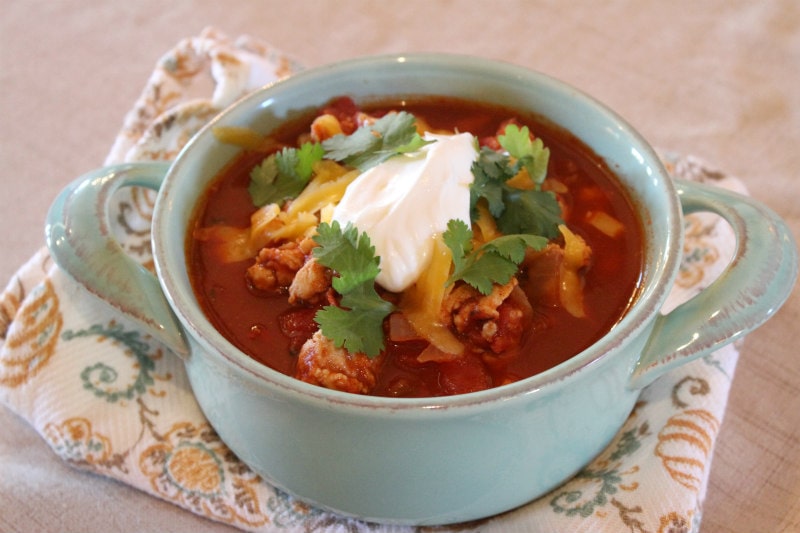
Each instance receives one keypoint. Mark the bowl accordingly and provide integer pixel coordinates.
(437, 460)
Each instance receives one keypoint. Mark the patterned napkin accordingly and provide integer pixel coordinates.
(110, 399)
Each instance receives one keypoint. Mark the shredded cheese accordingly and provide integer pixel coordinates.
(421, 303)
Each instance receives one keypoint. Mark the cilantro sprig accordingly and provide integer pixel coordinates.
(493, 262)
(370, 145)
(517, 211)
(357, 324)
(283, 174)
(527, 218)
(530, 154)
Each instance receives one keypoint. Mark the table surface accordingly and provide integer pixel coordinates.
(716, 79)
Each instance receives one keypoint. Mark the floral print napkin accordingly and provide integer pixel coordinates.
(108, 398)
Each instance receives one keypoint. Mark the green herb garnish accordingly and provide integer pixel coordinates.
(368, 146)
(517, 211)
(358, 324)
(283, 174)
(527, 218)
(531, 154)
(494, 262)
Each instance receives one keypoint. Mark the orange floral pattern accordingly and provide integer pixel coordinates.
(192, 467)
(685, 444)
(32, 336)
(674, 523)
(699, 252)
(75, 441)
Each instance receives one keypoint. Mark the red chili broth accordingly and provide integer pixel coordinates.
(251, 321)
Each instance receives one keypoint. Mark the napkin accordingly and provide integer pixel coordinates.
(108, 398)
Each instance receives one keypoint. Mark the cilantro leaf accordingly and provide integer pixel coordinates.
(358, 323)
(370, 145)
(283, 174)
(490, 171)
(263, 188)
(458, 238)
(347, 252)
(531, 154)
(535, 212)
(494, 262)
(483, 270)
(308, 154)
(512, 247)
(516, 210)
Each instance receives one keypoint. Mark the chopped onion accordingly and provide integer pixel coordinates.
(605, 223)
(400, 329)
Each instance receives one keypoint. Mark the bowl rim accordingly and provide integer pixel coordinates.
(648, 301)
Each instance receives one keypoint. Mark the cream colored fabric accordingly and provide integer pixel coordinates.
(714, 80)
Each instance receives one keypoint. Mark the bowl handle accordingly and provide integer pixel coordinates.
(756, 282)
(80, 239)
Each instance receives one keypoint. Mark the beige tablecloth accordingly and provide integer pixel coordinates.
(719, 81)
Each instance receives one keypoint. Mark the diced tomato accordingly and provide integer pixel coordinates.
(346, 111)
(298, 324)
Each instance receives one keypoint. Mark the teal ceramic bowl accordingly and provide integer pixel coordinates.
(437, 460)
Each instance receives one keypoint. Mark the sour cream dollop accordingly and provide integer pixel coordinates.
(404, 202)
